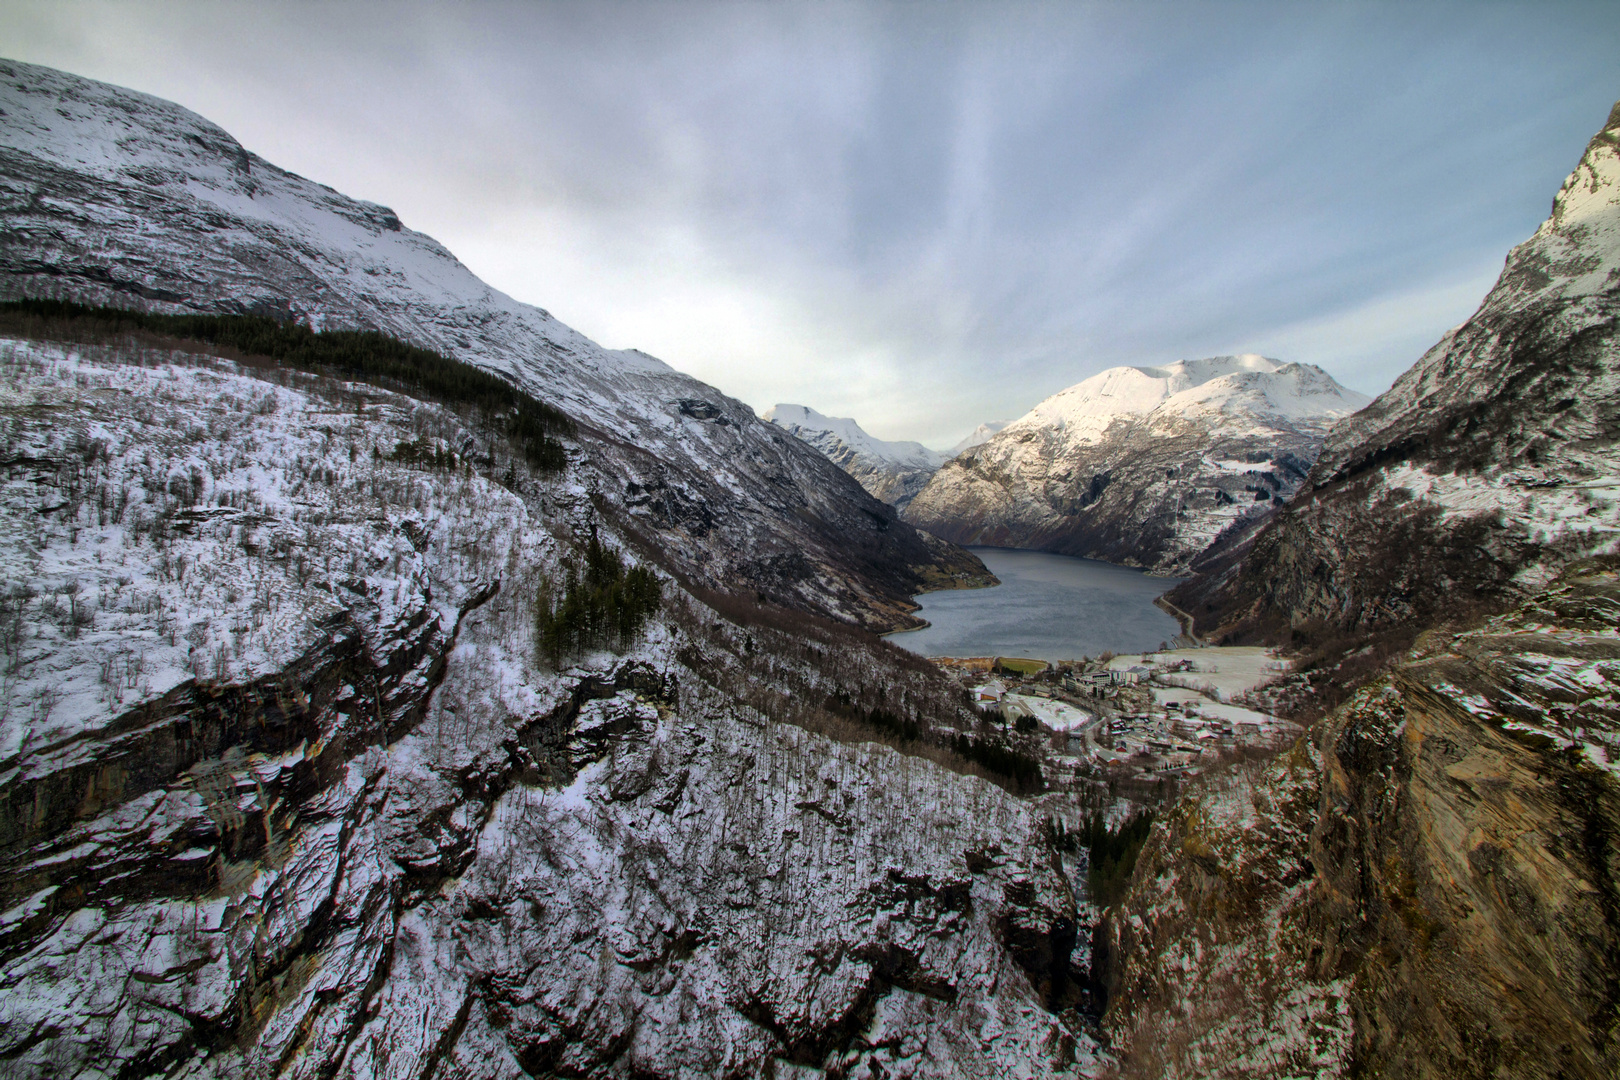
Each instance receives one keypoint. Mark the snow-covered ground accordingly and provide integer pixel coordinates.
(1207, 709)
(1220, 672)
(216, 523)
(1057, 715)
(1546, 508)
(458, 861)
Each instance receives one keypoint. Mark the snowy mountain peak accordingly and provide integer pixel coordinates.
(978, 435)
(1140, 465)
(1230, 385)
(807, 423)
(891, 471)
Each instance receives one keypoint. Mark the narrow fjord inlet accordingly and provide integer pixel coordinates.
(1050, 607)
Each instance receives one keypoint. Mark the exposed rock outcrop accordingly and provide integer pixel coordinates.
(1430, 890)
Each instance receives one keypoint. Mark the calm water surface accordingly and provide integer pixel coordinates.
(1051, 607)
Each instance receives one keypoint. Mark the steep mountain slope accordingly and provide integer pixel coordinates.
(1429, 888)
(892, 471)
(1140, 465)
(110, 196)
(286, 788)
(1486, 467)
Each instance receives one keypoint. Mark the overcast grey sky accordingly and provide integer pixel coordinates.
(920, 215)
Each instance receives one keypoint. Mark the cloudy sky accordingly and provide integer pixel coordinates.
(921, 215)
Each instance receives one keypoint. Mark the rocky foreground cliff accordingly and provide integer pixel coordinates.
(289, 785)
(1141, 466)
(1428, 886)
(327, 745)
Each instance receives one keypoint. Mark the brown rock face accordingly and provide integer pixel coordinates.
(1466, 848)
(1448, 907)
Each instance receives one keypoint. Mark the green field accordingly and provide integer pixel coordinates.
(1022, 665)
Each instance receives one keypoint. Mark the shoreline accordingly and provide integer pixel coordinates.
(1182, 618)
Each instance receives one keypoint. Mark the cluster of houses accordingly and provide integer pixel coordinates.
(1131, 731)
(1101, 683)
(1176, 738)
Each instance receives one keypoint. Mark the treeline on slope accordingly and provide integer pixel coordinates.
(880, 719)
(988, 752)
(998, 757)
(605, 607)
(1110, 852)
(358, 355)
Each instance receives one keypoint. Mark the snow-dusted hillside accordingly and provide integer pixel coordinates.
(892, 471)
(1140, 465)
(111, 196)
(286, 791)
(1486, 467)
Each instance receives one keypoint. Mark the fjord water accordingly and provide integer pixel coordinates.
(1051, 607)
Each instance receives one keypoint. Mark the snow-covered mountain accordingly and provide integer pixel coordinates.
(1140, 465)
(291, 782)
(978, 435)
(892, 471)
(112, 196)
(1486, 467)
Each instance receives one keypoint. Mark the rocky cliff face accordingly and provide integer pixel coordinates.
(1485, 468)
(1140, 466)
(1206, 967)
(110, 196)
(286, 791)
(1435, 879)
(891, 471)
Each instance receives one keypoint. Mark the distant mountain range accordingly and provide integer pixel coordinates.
(892, 471)
(1141, 466)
